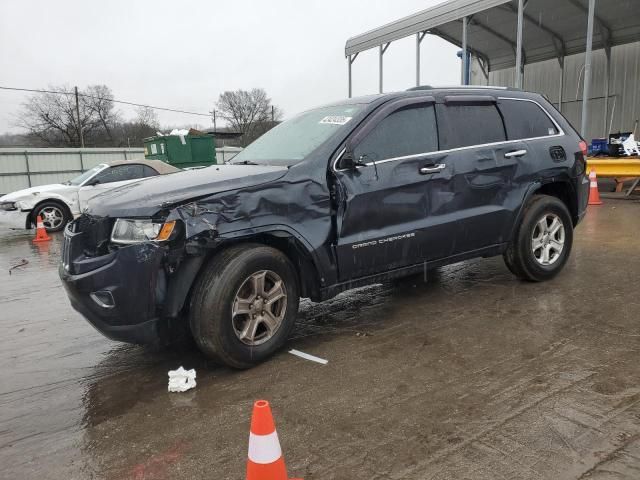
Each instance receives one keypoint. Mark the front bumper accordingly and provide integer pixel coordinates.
(13, 219)
(118, 292)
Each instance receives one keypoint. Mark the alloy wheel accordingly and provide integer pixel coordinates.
(52, 217)
(547, 240)
(259, 308)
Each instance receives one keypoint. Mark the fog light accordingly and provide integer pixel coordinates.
(103, 298)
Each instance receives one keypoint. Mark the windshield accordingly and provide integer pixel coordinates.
(85, 176)
(292, 140)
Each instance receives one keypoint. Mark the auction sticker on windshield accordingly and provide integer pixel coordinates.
(335, 119)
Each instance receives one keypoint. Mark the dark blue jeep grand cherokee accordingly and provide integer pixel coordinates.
(338, 197)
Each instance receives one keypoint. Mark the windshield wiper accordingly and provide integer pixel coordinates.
(245, 162)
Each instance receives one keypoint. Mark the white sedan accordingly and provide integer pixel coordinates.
(60, 203)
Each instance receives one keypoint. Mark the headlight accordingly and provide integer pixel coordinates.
(8, 206)
(136, 231)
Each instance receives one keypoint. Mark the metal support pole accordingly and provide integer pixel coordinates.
(607, 79)
(26, 158)
(464, 74)
(80, 134)
(560, 92)
(519, 44)
(418, 59)
(587, 69)
(380, 67)
(349, 74)
(350, 60)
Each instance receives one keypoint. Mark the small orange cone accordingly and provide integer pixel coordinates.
(594, 195)
(265, 456)
(41, 232)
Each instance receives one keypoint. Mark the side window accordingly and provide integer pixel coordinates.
(407, 131)
(148, 171)
(525, 119)
(120, 173)
(472, 125)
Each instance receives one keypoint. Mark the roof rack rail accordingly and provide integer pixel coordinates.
(463, 87)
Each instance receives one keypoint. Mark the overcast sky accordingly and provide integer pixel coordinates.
(184, 54)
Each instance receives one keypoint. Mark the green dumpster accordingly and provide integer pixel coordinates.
(186, 150)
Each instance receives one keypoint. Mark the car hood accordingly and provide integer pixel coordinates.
(146, 198)
(42, 190)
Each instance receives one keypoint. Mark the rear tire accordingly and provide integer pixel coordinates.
(244, 305)
(542, 242)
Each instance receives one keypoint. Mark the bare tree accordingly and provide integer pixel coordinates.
(52, 117)
(98, 100)
(248, 112)
(146, 116)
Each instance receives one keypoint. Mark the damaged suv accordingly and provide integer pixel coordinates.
(338, 197)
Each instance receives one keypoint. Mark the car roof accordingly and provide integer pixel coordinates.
(159, 166)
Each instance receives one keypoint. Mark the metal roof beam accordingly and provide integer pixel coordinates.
(555, 37)
(507, 40)
(602, 25)
(453, 41)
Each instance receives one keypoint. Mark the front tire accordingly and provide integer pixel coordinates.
(542, 242)
(54, 216)
(244, 305)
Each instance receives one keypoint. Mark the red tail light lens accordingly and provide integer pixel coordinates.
(583, 147)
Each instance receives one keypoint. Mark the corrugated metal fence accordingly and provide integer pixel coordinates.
(30, 167)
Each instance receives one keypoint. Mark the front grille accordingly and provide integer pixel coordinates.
(95, 232)
(86, 244)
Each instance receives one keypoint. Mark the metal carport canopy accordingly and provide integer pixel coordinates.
(551, 28)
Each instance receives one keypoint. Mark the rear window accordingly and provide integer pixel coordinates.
(408, 131)
(472, 125)
(524, 119)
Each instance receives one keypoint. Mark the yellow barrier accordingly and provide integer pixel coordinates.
(609, 167)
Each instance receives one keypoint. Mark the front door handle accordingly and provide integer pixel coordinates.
(515, 153)
(433, 169)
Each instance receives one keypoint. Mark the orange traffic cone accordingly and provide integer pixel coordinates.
(265, 456)
(41, 232)
(594, 195)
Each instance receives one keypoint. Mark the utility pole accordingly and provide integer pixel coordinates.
(78, 115)
(273, 116)
(214, 121)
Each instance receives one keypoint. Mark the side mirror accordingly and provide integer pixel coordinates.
(93, 182)
(348, 160)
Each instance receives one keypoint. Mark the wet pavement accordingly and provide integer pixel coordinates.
(471, 375)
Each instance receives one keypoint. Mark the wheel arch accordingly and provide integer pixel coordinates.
(294, 249)
(31, 221)
(282, 240)
(561, 189)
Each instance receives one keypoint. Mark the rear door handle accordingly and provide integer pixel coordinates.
(515, 153)
(435, 168)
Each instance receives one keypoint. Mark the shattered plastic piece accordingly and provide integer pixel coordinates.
(181, 380)
(306, 356)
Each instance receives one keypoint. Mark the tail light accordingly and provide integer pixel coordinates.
(581, 159)
(583, 147)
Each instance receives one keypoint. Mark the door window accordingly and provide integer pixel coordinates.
(120, 173)
(148, 171)
(472, 125)
(408, 131)
(525, 119)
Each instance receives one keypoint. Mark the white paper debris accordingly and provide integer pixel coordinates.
(181, 380)
(335, 119)
(306, 356)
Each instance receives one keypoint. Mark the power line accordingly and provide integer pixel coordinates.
(208, 115)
